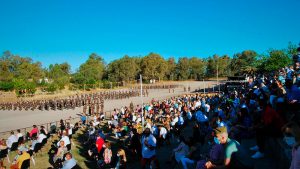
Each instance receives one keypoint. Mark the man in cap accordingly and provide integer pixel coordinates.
(235, 157)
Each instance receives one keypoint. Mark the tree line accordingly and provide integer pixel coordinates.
(24, 75)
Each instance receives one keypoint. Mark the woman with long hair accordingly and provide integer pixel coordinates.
(121, 163)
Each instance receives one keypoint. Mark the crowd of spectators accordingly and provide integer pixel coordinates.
(266, 108)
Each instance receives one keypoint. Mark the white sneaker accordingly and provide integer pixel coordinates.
(258, 155)
(254, 148)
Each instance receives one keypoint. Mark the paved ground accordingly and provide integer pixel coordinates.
(10, 120)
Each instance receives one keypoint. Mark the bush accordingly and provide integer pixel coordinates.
(30, 87)
(51, 88)
(7, 86)
(22, 87)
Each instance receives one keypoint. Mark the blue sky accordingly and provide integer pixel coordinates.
(55, 31)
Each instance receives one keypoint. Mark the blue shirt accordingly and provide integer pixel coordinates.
(201, 117)
(68, 164)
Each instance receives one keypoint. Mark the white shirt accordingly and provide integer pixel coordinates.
(95, 123)
(41, 137)
(11, 139)
(146, 152)
(207, 108)
(198, 104)
(174, 121)
(163, 132)
(19, 135)
(65, 139)
(70, 131)
(133, 118)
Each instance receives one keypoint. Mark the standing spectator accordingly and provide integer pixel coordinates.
(121, 163)
(162, 135)
(62, 126)
(148, 149)
(135, 144)
(83, 118)
(99, 143)
(107, 153)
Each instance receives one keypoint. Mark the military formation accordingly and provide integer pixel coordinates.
(160, 86)
(92, 102)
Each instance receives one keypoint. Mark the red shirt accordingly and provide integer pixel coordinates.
(34, 130)
(272, 117)
(99, 144)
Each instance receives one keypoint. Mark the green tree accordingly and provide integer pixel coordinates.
(196, 68)
(5, 72)
(243, 62)
(124, 69)
(183, 71)
(92, 69)
(171, 69)
(59, 74)
(153, 66)
(277, 59)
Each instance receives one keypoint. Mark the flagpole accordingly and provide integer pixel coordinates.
(141, 82)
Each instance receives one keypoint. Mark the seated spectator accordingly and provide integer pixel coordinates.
(2, 144)
(19, 134)
(52, 128)
(70, 161)
(180, 151)
(64, 138)
(33, 143)
(295, 131)
(41, 136)
(44, 130)
(23, 155)
(216, 154)
(2, 147)
(11, 139)
(241, 129)
(192, 156)
(34, 131)
(235, 156)
(62, 149)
